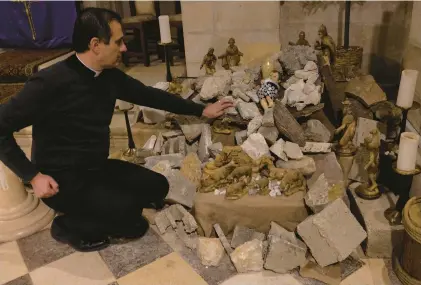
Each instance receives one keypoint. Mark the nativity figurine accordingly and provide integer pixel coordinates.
(175, 86)
(370, 190)
(326, 45)
(269, 90)
(301, 40)
(209, 61)
(347, 130)
(232, 55)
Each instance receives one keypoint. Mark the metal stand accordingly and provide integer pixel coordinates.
(401, 185)
(402, 127)
(130, 152)
(167, 59)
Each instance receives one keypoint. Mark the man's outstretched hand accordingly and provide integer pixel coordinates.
(217, 109)
(44, 186)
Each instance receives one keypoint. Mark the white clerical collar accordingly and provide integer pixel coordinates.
(96, 72)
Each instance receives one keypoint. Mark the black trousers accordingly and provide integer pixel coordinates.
(107, 199)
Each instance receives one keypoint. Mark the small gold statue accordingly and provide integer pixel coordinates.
(348, 127)
(269, 90)
(232, 55)
(222, 126)
(301, 40)
(326, 45)
(209, 60)
(372, 144)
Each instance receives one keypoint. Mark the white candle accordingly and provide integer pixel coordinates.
(164, 29)
(407, 154)
(123, 105)
(407, 88)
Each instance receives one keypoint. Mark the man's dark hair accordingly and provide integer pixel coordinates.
(91, 23)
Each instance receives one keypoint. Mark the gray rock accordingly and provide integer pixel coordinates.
(191, 131)
(306, 165)
(189, 240)
(181, 191)
(215, 149)
(365, 89)
(270, 134)
(329, 166)
(205, 142)
(278, 149)
(248, 110)
(173, 145)
(190, 224)
(287, 124)
(293, 151)
(316, 147)
(150, 143)
(181, 143)
(255, 146)
(240, 137)
(332, 234)
(223, 238)
(317, 198)
(158, 144)
(237, 93)
(174, 159)
(242, 235)
(171, 219)
(210, 251)
(219, 84)
(153, 116)
(317, 132)
(165, 148)
(268, 120)
(364, 127)
(284, 256)
(192, 148)
(162, 221)
(248, 257)
(278, 231)
(177, 211)
(253, 95)
(254, 125)
(172, 134)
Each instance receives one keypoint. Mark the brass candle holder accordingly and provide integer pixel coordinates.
(130, 152)
(402, 186)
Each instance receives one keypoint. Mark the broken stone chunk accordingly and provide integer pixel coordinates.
(310, 66)
(248, 110)
(315, 147)
(181, 191)
(254, 125)
(305, 165)
(210, 251)
(287, 124)
(278, 231)
(284, 256)
(191, 131)
(318, 195)
(181, 143)
(214, 86)
(189, 240)
(248, 257)
(174, 160)
(173, 145)
(162, 167)
(240, 137)
(278, 149)
(158, 144)
(191, 168)
(153, 116)
(315, 131)
(242, 235)
(330, 274)
(293, 151)
(223, 238)
(270, 134)
(253, 95)
(255, 146)
(332, 234)
(365, 89)
(149, 145)
(205, 142)
(215, 149)
(237, 93)
(172, 134)
(162, 221)
(190, 224)
(193, 148)
(268, 120)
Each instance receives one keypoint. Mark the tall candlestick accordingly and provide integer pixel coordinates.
(407, 154)
(407, 88)
(164, 29)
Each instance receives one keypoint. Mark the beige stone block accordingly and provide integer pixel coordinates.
(12, 265)
(246, 15)
(414, 34)
(197, 16)
(197, 45)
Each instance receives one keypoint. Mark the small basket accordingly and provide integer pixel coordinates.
(347, 63)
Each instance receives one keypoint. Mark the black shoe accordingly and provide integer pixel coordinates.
(63, 236)
(138, 230)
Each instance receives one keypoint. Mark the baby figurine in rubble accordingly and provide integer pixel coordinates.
(269, 90)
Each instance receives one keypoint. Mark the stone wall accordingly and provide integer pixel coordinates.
(211, 24)
(381, 28)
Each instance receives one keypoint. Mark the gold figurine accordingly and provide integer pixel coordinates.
(348, 127)
(301, 40)
(232, 55)
(326, 45)
(372, 144)
(209, 62)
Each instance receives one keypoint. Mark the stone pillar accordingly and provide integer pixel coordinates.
(21, 213)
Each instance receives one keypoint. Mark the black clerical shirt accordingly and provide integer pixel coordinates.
(70, 110)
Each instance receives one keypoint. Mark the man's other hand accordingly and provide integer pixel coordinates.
(217, 109)
(44, 186)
